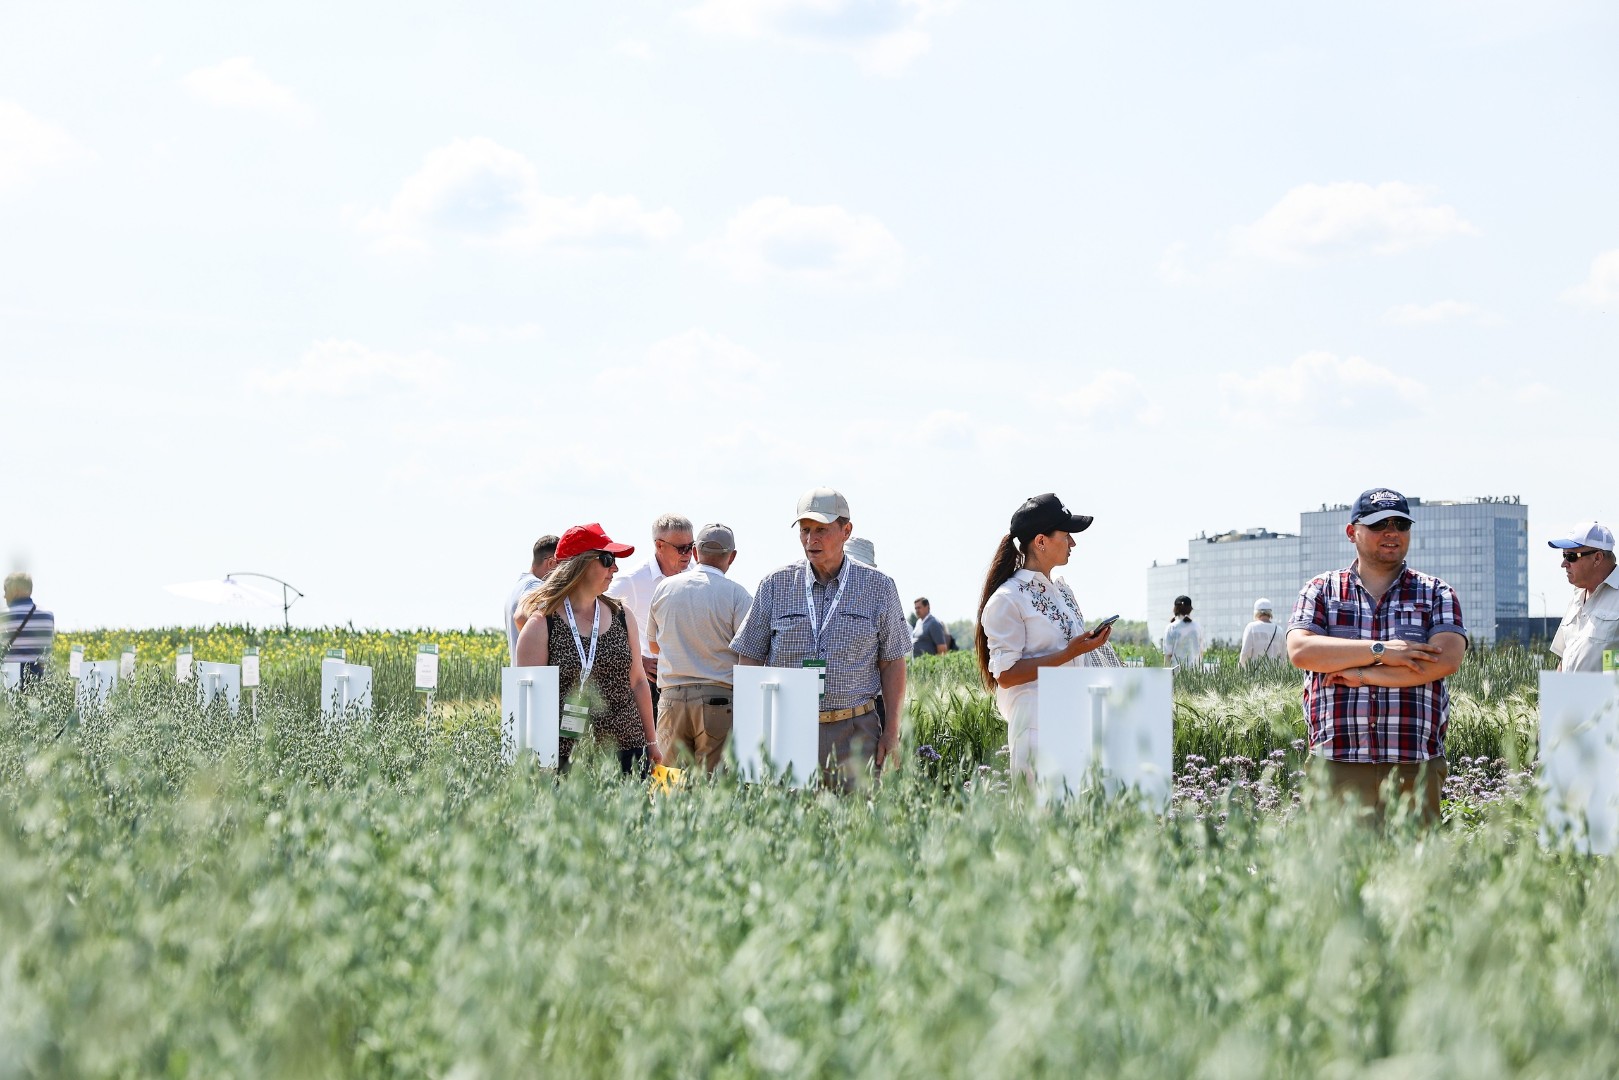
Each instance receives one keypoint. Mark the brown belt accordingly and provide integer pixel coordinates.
(847, 714)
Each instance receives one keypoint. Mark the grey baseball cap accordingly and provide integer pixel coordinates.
(716, 538)
(821, 504)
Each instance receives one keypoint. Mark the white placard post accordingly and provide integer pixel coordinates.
(75, 661)
(126, 663)
(530, 714)
(1119, 720)
(182, 664)
(250, 677)
(1579, 759)
(344, 687)
(427, 678)
(12, 674)
(96, 680)
(219, 680)
(775, 722)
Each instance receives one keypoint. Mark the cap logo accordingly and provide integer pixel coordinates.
(1383, 497)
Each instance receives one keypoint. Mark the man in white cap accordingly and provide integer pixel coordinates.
(693, 617)
(1590, 626)
(1262, 639)
(839, 615)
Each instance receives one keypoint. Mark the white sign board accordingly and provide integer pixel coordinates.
(12, 675)
(344, 687)
(126, 663)
(1579, 758)
(776, 719)
(75, 661)
(427, 667)
(1119, 720)
(182, 664)
(96, 680)
(530, 702)
(219, 680)
(250, 667)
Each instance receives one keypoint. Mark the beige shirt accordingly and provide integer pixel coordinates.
(693, 616)
(1590, 626)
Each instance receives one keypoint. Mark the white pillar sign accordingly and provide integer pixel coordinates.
(75, 661)
(427, 667)
(1117, 720)
(182, 664)
(12, 674)
(126, 663)
(344, 688)
(219, 680)
(776, 722)
(96, 680)
(530, 707)
(1579, 758)
(250, 667)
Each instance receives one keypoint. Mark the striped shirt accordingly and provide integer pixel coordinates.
(867, 628)
(33, 645)
(1377, 723)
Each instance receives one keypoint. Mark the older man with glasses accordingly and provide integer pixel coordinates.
(1377, 640)
(1590, 626)
(672, 546)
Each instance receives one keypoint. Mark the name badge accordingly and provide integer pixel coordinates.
(574, 719)
(821, 664)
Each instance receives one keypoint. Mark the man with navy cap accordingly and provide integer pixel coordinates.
(1590, 626)
(1377, 640)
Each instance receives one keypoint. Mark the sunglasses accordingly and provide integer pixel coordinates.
(684, 549)
(1576, 556)
(609, 561)
(1397, 524)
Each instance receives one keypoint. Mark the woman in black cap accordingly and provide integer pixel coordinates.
(1028, 620)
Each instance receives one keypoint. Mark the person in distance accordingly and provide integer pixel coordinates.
(1183, 639)
(595, 644)
(1590, 626)
(1028, 620)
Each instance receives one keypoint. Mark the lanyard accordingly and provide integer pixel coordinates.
(585, 662)
(809, 600)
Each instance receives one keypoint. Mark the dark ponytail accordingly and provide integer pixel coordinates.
(1001, 567)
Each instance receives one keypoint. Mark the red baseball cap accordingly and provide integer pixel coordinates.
(583, 538)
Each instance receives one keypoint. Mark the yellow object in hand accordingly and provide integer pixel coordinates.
(665, 780)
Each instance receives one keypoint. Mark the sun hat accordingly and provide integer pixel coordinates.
(583, 538)
(861, 551)
(822, 504)
(1377, 504)
(1591, 534)
(1043, 514)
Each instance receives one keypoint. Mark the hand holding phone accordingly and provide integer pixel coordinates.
(1103, 625)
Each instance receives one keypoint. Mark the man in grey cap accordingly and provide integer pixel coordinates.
(690, 622)
(1590, 626)
(834, 613)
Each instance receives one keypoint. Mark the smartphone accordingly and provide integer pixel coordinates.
(1103, 625)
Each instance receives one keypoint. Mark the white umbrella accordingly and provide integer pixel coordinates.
(229, 591)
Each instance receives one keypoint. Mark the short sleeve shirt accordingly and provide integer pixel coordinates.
(1590, 627)
(927, 635)
(31, 635)
(866, 627)
(1377, 723)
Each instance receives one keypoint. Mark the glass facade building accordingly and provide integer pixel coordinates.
(1479, 546)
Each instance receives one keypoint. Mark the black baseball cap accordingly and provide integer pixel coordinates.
(1377, 504)
(1044, 514)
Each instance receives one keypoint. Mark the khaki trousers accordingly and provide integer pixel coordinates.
(1421, 781)
(693, 723)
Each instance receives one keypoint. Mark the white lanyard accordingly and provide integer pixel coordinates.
(809, 600)
(585, 662)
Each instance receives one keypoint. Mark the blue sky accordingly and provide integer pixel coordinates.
(368, 296)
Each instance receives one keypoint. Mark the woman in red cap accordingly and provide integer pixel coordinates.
(596, 646)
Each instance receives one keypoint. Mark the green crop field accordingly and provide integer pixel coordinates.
(187, 893)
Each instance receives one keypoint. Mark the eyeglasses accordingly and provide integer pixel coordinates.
(609, 561)
(1576, 556)
(684, 549)
(1398, 524)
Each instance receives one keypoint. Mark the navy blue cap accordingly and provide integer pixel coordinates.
(1378, 504)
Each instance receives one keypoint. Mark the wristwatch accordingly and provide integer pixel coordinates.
(1377, 652)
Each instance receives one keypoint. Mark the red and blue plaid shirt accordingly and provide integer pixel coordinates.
(1377, 723)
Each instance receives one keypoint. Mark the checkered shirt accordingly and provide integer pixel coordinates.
(1377, 723)
(868, 627)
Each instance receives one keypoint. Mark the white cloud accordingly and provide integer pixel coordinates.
(1438, 312)
(884, 36)
(1601, 288)
(238, 83)
(694, 366)
(345, 369)
(1316, 221)
(31, 147)
(824, 245)
(1318, 389)
(480, 192)
(1111, 400)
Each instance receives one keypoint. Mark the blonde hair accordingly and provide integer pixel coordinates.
(19, 585)
(558, 584)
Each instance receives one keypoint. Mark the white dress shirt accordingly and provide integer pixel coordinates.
(635, 589)
(1589, 626)
(1031, 616)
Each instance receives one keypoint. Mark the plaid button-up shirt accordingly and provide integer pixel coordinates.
(1377, 723)
(867, 628)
